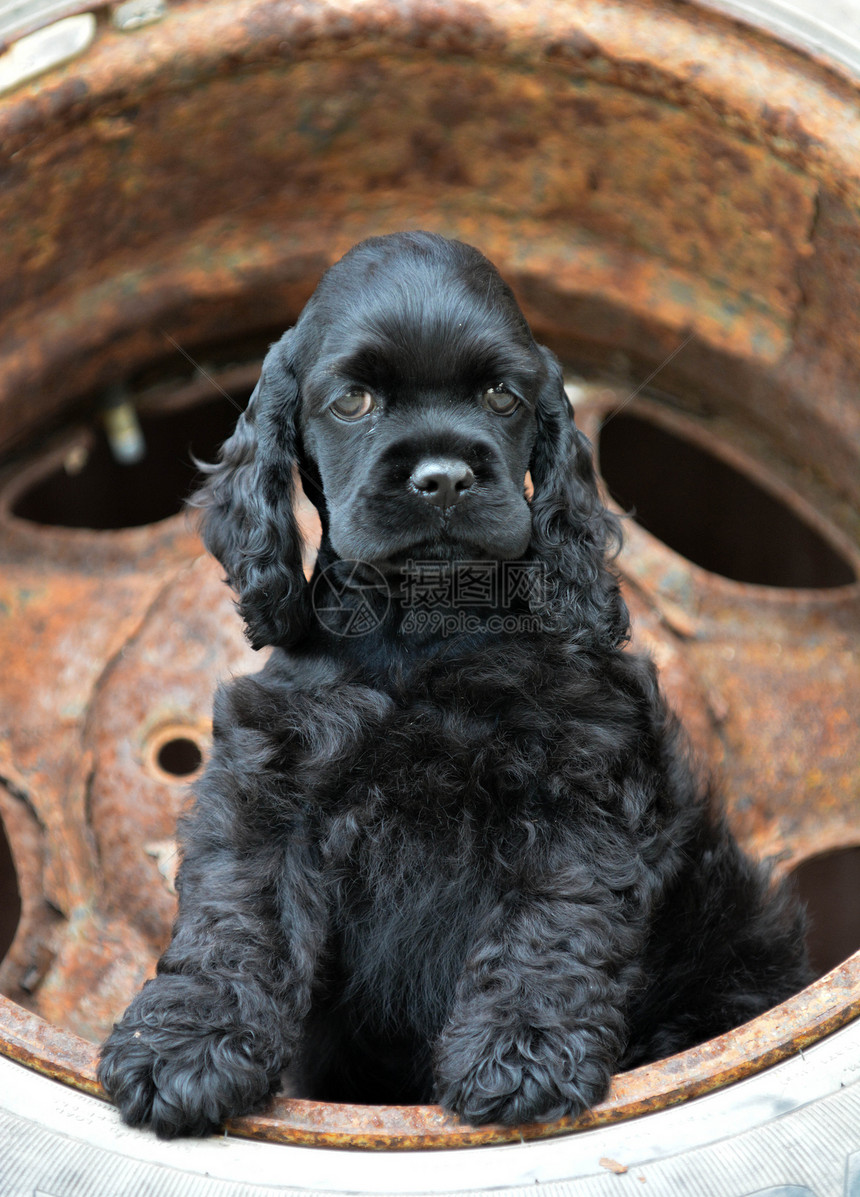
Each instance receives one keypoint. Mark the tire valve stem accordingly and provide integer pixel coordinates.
(122, 427)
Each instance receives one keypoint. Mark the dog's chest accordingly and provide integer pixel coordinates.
(433, 770)
(408, 904)
(418, 846)
(404, 918)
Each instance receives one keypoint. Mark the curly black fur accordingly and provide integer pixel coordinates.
(472, 868)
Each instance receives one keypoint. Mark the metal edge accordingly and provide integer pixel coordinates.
(774, 1036)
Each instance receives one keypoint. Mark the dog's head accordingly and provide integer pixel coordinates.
(412, 399)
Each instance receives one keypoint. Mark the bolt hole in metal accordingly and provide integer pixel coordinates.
(711, 513)
(179, 757)
(175, 754)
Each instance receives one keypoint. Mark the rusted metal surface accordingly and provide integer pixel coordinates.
(700, 210)
(779, 667)
(640, 172)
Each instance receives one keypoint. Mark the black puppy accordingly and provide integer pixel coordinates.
(448, 846)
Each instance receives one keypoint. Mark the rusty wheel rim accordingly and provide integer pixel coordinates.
(736, 277)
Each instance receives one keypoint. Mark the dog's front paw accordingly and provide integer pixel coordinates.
(531, 1075)
(174, 1064)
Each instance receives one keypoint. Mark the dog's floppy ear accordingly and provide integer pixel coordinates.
(573, 534)
(248, 522)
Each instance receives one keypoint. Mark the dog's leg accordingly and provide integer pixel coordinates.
(207, 1039)
(538, 1025)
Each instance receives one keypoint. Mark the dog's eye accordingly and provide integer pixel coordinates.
(499, 400)
(354, 405)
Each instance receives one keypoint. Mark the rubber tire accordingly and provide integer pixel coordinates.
(791, 1131)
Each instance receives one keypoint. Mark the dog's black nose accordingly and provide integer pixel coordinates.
(442, 481)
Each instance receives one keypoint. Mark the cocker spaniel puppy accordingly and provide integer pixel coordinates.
(448, 846)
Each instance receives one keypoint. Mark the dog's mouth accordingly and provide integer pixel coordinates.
(389, 531)
(445, 547)
(451, 537)
(398, 564)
